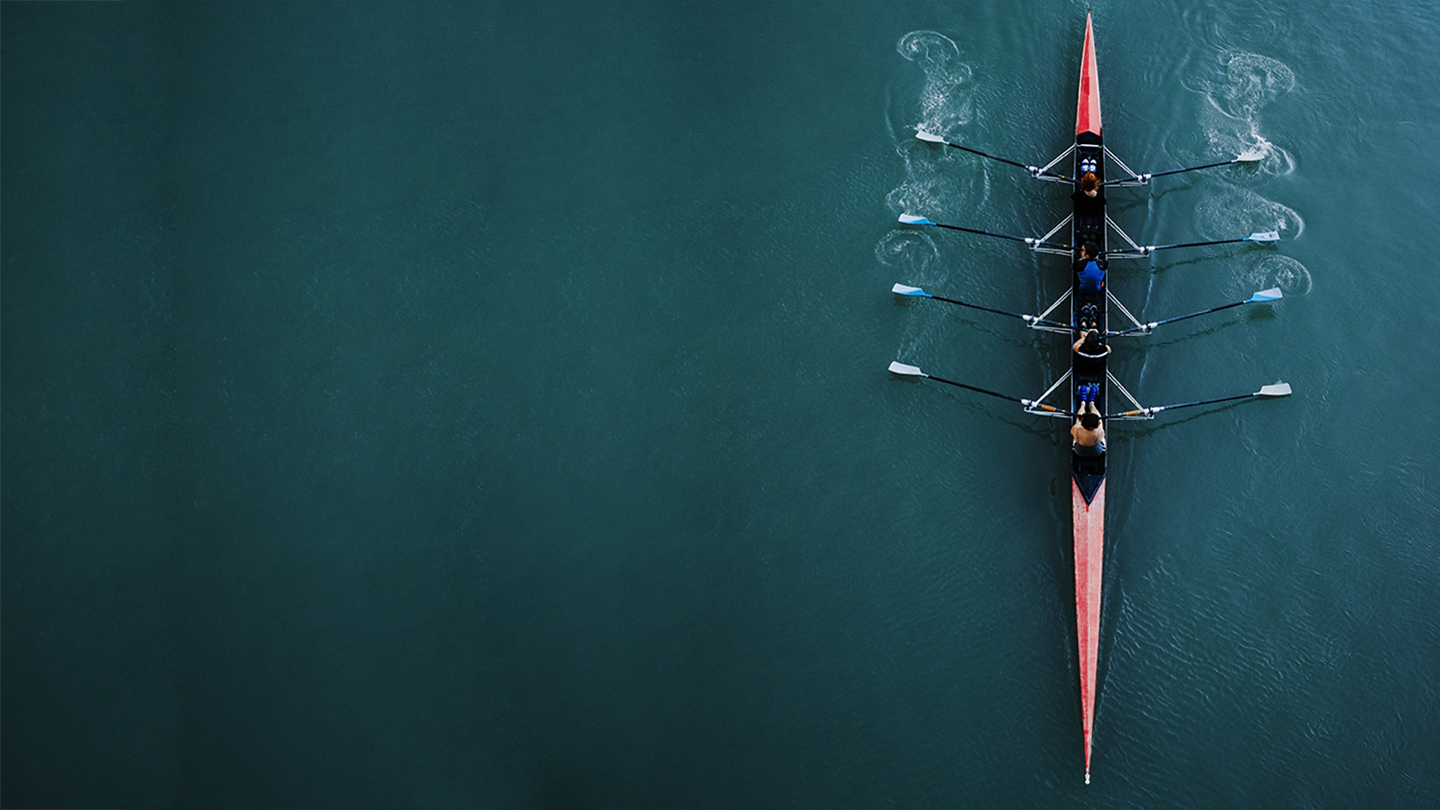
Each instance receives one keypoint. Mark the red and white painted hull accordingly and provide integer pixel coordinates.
(1088, 473)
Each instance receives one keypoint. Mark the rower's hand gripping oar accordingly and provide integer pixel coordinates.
(1264, 237)
(1261, 297)
(1276, 390)
(914, 371)
(911, 219)
(902, 289)
(1035, 171)
(1248, 156)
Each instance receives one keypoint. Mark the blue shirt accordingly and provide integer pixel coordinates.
(1091, 277)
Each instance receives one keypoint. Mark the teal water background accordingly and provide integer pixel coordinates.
(417, 405)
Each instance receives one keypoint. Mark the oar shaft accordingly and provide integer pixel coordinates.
(985, 155)
(982, 233)
(1025, 402)
(1148, 176)
(1025, 318)
(1202, 312)
(976, 389)
(1153, 248)
(1192, 168)
(1147, 327)
(1033, 170)
(1199, 244)
(1032, 242)
(1160, 408)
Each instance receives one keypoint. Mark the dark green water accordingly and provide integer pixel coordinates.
(481, 405)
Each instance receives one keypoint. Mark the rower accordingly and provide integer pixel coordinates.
(1090, 198)
(1090, 353)
(1088, 434)
(1091, 269)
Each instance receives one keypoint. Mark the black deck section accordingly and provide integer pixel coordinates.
(1088, 471)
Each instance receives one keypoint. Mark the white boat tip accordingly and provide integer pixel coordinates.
(1087, 777)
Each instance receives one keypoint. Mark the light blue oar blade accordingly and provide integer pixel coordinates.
(908, 371)
(1263, 236)
(901, 289)
(911, 219)
(928, 137)
(1276, 390)
(1272, 294)
(1250, 156)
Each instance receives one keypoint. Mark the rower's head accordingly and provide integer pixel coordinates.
(1091, 249)
(1090, 420)
(1089, 182)
(1092, 344)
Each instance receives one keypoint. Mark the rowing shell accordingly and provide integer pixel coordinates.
(1087, 483)
(1088, 223)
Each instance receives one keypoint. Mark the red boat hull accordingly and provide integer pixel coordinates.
(1087, 116)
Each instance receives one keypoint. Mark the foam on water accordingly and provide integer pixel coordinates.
(1250, 82)
(945, 102)
(942, 107)
(909, 251)
(1239, 211)
(1241, 85)
(1275, 270)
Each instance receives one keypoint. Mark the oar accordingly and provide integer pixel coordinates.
(1249, 156)
(914, 371)
(1259, 236)
(901, 289)
(1261, 297)
(911, 219)
(1276, 390)
(1035, 171)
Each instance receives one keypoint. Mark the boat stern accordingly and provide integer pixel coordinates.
(1089, 527)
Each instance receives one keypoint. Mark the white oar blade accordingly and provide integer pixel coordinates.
(911, 219)
(928, 137)
(1250, 156)
(1276, 390)
(1263, 236)
(908, 371)
(901, 289)
(1272, 294)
